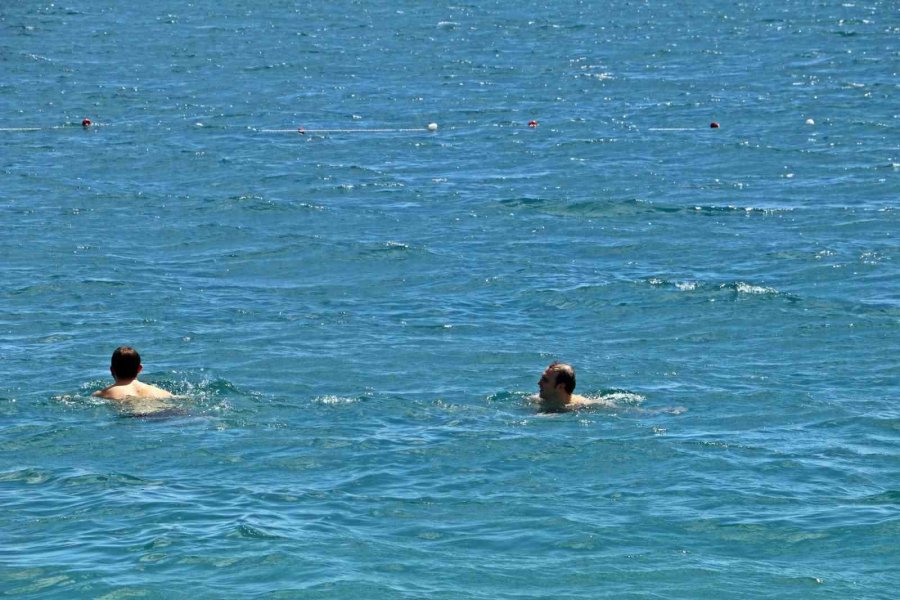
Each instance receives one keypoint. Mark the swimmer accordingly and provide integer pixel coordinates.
(125, 366)
(557, 385)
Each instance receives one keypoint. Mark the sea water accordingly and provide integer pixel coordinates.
(355, 322)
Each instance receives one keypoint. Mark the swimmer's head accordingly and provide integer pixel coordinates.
(557, 374)
(565, 375)
(126, 363)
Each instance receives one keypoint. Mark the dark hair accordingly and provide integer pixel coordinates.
(565, 375)
(125, 362)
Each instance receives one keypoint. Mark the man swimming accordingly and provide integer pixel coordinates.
(125, 366)
(557, 385)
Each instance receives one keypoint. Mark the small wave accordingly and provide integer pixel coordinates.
(389, 246)
(257, 203)
(620, 398)
(510, 396)
(28, 476)
(739, 210)
(602, 76)
(245, 530)
(267, 67)
(204, 389)
(742, 288)
(739, 288)
(390, 249)
(746, 288)
(335, 400)
(633, 207)
(684, 286)
(105, 479)
(888, 497)
(39, 58)
(524, 201)
(83, 398)
(872, 258)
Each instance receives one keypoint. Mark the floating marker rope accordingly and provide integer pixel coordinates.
(431, 127)
(302, 130)
(87, 123)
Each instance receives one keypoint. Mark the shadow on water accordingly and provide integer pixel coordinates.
(149, 409)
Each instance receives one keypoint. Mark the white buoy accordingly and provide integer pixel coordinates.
(810, 122)
(432, 127)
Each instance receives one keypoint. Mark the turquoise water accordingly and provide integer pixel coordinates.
(355, 321)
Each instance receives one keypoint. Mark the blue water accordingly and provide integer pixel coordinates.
(355, 322)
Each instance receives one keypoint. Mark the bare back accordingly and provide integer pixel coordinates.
(134, 389)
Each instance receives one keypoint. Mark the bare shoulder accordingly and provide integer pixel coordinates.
(583, 401)
(151, 391)
(113, 392)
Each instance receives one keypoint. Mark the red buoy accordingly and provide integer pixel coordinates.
(86, 123)
(713, 125)
(532, 123)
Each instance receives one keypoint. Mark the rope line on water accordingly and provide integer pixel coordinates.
(87, 124)
(431, 127)
(302, 130)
